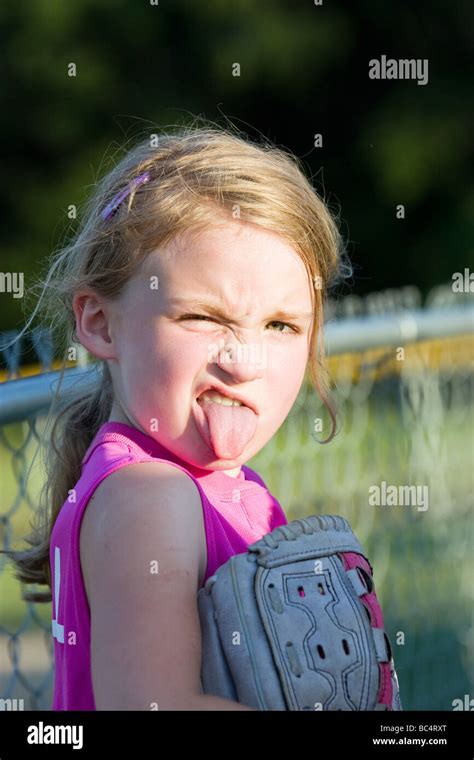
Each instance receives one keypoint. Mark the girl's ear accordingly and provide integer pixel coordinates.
(93, 324)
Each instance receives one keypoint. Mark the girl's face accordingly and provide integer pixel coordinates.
(237, 287)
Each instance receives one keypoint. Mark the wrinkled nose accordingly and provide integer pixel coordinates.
(242, 360)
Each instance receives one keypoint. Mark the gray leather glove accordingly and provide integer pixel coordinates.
(294, 624)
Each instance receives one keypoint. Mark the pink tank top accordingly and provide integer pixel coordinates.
(236, 511)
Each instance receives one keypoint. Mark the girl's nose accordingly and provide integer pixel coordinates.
(243, 361)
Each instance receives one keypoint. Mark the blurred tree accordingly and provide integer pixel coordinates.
(304, 70)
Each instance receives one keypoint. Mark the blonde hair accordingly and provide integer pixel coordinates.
(195, 170)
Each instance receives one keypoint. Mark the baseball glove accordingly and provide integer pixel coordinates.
(294, 624)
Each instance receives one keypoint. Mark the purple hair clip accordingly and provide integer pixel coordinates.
(112, 207)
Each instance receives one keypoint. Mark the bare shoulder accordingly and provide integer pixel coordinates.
(141, 555)
(137, 498)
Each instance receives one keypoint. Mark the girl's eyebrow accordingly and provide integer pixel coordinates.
(217, 310)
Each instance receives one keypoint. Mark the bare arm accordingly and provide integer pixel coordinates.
(141, 552)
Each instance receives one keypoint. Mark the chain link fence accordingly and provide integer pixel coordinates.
(400, 470)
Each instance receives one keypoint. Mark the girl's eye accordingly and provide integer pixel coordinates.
(203, 317)
(195, 316)
(285, 324)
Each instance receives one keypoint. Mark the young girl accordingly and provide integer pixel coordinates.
(197, 279)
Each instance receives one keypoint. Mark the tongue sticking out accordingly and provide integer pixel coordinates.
(230, 428)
